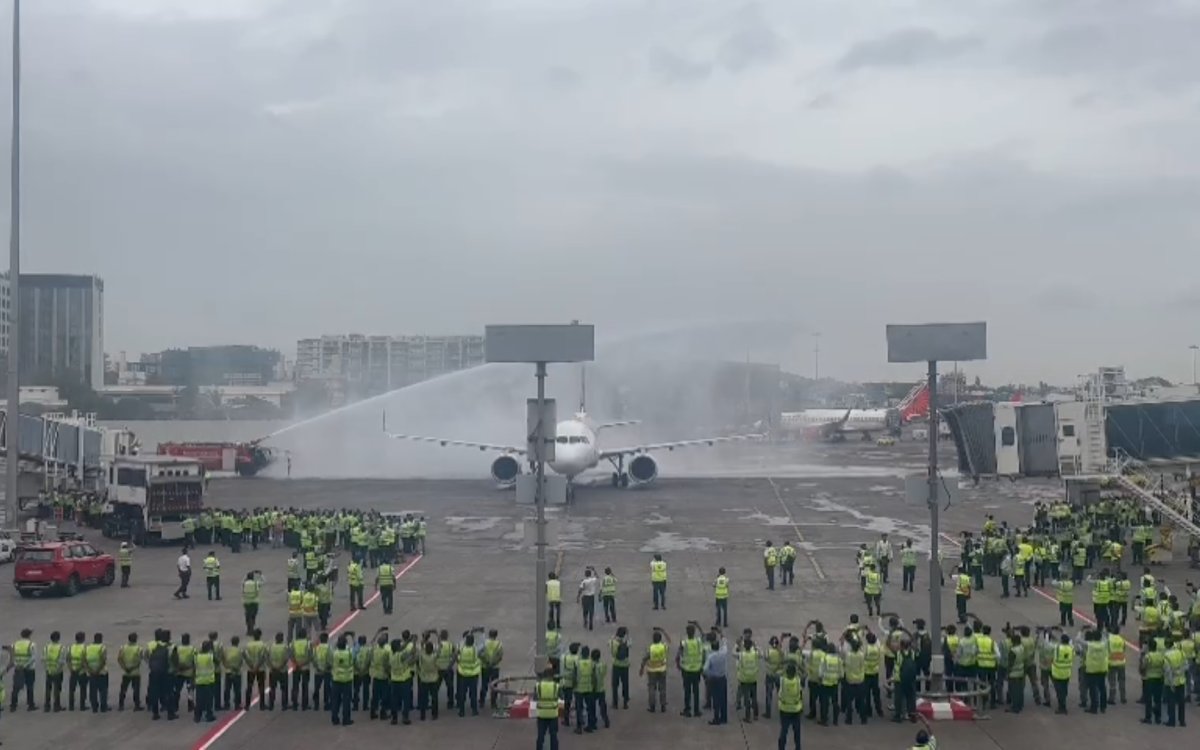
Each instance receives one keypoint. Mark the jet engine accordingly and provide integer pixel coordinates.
(642, 469)
(505, 471)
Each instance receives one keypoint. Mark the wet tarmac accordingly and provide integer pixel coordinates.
(479, 571)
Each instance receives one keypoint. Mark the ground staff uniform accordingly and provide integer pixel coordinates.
(53, 657)
(1095, 666)
(385, 581)
(546, 696)
(256, 672)
(469, 669)
(445, 665)
(608, 597)
(1116, 667)
(277, 660)
(1060, 673)
(1175, 685)
(721, 593)
(343, 676)
(322, 684)
(361, 692)
(231, 664)
(400, 671)
(381, 658)
(206, 681)
(691, 662)
(428, 678)
(129, 658)
(23, 652)
(295, 598)
(96, 658)
(791, 705)
(658, 583)
(250, 589)
(656, 675)
(1153, 672)
(619, 649)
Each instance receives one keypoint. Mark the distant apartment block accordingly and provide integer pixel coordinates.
(5, 297)
(61, 329)
(375, 364)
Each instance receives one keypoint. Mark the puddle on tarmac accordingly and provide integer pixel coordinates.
(876, 524)
(656, 519)
(766, 520)
(669, 541)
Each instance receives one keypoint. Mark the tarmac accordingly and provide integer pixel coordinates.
(479, 571)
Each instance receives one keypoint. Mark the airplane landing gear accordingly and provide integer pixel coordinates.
(624, 480)
(619, 477)
(616, 480)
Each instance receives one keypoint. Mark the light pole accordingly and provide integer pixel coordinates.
(12, 429)
(957, 342)
(1195, 348)
(816, 356)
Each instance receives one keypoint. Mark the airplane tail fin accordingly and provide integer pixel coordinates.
(916, 404)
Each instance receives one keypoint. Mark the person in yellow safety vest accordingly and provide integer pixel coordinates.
(689, 660)
(566, 676)
(908, 566)
(1153, 669)
(231, 659)
(721, 594)
(53, 657)
(428, 675)
(312, 565)
(343, 674)
(360, 694)
(129, 659)
(1061, 670)
(322, 696)
(95, 656)
(23, 652)
(301, 652)
(385, 583)
(1014, 672)
(925, 740)
(791, 705)
(1175, 669)
(1102, 587)
(308, 609)
(584, 676)
(295, 598)
(324, 592)
(381, 658)
(295, 568)
(546, 703)
(873, 590)
(987, 654)
(775, 661)
(854, 695)
(872, 663)
(746, 657)
(469, 668)
(278, 654)
(446, 652)
(654, 667)
(554, 599)
(400, 673)
(962, 593)
(1151, 620)
(125, 562)
(212, 576)
(597, 703)
(619, 649)
(608, 595)
(250, 590)
(830, 672)
(492, 654)
(79, 674)
(787, 564)
(658, 581)
(205, 682)
(770, 563)
(1095, 671)
(354, 576)
(1116, 663)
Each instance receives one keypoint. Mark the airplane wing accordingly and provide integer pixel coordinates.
(459, 443)
(634, 449)
(623, 423)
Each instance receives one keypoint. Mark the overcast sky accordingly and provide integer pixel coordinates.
(256, 171)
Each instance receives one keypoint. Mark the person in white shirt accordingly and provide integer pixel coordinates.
(588, 588)
(883, 553)
(184, 566)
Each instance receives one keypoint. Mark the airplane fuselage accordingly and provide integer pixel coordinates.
(858, 420)
(575, 449)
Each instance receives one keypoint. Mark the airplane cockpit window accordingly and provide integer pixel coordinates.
(562, 440)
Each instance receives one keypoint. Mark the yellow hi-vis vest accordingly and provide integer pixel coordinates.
(721, 590)
(658, 658)
(206, 669)
(343, 666)
(986, 656)
(693, 655)
(547, 699)
(791, 695)
(468, 662)
(1116, 650)
(747, 666)
(1064, 662)
(295, 602)
(658, 571)
(1095, 660)
(554, 591)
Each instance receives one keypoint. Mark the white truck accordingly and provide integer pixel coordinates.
(148, 497)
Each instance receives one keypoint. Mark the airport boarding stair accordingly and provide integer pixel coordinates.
(1175, 507)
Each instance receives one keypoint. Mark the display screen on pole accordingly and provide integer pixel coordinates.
(540, 343)
(937, 342)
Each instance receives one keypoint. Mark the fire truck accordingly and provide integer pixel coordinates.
(244, 459)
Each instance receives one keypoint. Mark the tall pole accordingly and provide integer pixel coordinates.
(935, 566)
(816, 356)
(1195, 348)
(11, 421)
(539, 503)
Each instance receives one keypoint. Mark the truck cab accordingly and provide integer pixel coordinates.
(150, 496)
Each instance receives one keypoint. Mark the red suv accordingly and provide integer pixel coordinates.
(64, 566)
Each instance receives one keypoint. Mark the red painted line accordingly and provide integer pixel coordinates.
(1052, 598)
(212, 735)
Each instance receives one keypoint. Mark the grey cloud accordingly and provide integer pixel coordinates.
(562, 78)
(824, 100)
(675, 69)
(752, 42)
(1066, 297)
(906, 48)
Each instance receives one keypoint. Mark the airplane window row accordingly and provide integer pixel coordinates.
(572, 439)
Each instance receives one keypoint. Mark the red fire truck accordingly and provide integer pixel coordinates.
(246, 459)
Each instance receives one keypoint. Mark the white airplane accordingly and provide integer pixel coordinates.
(577, 449)
(835, 424)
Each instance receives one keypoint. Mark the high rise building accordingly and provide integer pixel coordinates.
(375, 364)
(5, 297)
(61, 329)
